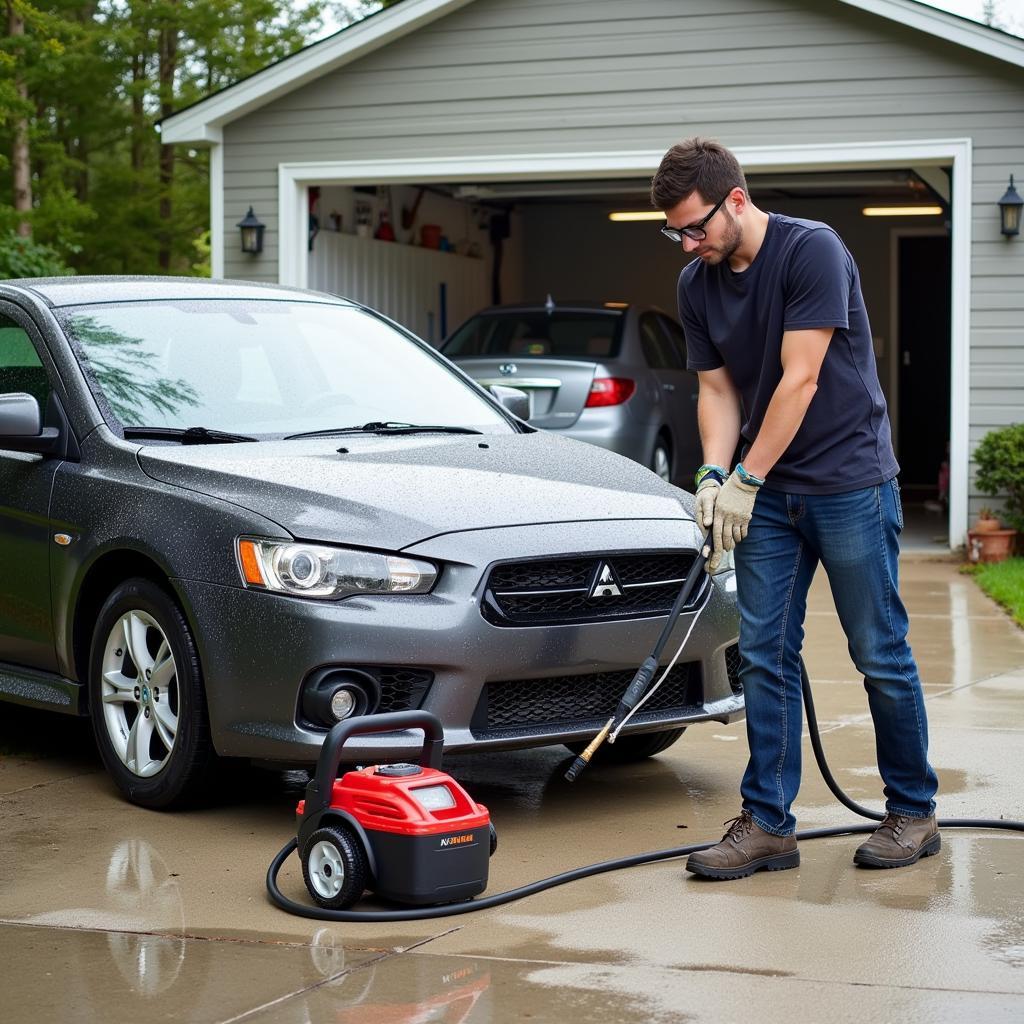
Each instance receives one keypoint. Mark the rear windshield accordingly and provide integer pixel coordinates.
(538, 335)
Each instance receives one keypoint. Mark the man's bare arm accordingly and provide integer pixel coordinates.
(803, 352)
(718, 416)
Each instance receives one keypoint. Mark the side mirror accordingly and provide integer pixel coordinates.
(515, 401)
(21, 428)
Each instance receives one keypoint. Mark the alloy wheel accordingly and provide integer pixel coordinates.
(140, 693)
(662, 465)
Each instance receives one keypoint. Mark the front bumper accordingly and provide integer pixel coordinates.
(257, 648)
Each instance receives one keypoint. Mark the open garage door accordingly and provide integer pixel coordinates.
(432, 253)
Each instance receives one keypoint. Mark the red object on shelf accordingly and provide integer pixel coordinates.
(385, 232)
(430, 236)
(609, 391)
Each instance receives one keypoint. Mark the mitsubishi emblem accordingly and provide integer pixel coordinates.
(507, 369)
(605, 583)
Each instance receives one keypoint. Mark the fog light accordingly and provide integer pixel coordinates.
(334, 694)
(343, 703)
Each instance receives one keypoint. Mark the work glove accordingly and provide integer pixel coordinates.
(707, 494)
(733, 509)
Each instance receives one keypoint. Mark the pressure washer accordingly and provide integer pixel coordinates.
(412, 835)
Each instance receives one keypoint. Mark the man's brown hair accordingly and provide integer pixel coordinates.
(695, 165)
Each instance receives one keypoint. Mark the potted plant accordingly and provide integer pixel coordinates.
(987, 521)
(1000, 470)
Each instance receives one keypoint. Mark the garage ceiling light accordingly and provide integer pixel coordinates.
(628, 215)
(902, 211)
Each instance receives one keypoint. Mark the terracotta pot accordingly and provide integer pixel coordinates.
(990, 545)
(986, 525)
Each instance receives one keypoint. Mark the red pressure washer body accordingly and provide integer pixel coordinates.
(426, 840)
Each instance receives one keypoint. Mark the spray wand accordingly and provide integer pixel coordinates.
(637, 689)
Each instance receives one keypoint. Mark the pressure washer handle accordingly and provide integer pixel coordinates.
(318, 792)
(636, 689)
(647, 671)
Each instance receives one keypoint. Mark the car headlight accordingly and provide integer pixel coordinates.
(318, 570)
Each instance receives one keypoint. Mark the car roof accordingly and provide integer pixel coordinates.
(76, 291)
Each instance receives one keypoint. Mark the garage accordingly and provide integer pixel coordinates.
(456, 248)
(511, 131)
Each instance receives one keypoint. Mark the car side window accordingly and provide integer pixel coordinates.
(21, 369)
(675, 342)
(653, 343)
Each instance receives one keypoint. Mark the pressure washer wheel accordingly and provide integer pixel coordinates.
(493, 836)
(335, 868)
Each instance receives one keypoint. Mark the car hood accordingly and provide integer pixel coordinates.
(391, 492)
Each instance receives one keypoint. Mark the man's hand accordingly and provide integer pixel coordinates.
(707, 494)
(733, 509)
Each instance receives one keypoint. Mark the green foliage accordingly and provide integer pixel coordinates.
(1004, 583)
(202, 265)
(127, 374)
(91, 80)
(22, 257)
(1000, 462)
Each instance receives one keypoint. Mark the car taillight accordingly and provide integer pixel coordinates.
(610, 391)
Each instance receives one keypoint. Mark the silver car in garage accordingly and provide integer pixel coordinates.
(232, 515)
(610, 373)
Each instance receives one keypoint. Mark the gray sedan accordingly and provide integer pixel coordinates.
(232, 515)
(609, 373)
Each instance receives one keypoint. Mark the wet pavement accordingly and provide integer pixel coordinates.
(110, 913)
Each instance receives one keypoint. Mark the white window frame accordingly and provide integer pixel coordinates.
(294, 179)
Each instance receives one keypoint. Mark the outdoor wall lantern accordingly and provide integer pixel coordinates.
(252, 232)
(1009, 211)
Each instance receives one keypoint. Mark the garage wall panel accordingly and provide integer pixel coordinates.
(401, 281)
(544, 76)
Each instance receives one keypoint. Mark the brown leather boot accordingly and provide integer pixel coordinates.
(744, 849)
(899, 841)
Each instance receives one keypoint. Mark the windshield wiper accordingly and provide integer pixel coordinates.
(186, 435)
(390, 427)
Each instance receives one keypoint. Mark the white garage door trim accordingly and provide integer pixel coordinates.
(295, 178)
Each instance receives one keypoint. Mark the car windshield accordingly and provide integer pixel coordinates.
(265, 368)
(533, 335)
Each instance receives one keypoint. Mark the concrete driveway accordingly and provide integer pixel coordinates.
(111, 913)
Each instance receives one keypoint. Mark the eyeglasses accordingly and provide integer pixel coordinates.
(695, 232)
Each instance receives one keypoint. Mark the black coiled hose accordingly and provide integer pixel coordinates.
(497, 900)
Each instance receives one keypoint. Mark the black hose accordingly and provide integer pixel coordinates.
(498, 899)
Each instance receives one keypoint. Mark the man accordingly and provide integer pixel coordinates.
(777, 331)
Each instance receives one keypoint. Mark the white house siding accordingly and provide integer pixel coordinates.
(559, 76)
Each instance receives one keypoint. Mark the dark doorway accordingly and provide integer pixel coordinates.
(924, 281)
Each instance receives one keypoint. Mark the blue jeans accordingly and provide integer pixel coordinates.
(855, 536)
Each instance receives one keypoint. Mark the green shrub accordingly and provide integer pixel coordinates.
(21, 257)
(1000, 461)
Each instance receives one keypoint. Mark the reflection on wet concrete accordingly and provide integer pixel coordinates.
(108, 912)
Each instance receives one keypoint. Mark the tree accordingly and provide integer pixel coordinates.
(83, 86)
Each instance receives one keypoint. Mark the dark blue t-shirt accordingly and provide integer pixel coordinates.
(803, 277)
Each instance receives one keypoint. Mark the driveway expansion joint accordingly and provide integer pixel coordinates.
(391, 955)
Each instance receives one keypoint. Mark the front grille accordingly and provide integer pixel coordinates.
(403, 689)
(558, 702)
(732, 666)
(595, 588)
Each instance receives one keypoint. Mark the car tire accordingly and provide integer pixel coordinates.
(627, 749)
(150, 719)
(334, 867)
(661, 459)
